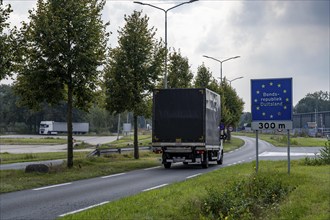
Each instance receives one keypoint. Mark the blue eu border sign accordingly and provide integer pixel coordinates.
(271, 107)
(271, 104)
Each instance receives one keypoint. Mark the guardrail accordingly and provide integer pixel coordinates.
(99, 152)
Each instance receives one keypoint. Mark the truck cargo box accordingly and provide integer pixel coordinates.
(189, 116)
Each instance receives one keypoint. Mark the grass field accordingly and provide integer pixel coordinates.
(187, 200)
(27, 141)
(7, 158)
(11, 180)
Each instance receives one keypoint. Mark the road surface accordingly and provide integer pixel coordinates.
(51, 202)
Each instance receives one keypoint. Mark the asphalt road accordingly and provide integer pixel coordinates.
(58, 200)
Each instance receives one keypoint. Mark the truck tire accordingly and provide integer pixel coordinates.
(205, 163)
(167, 165)
(220, 161)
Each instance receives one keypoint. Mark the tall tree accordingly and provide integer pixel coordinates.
(204, 77)
(317, 101)
(133, 69)
(7, 43)
(63, 45)
(179, 74)
(232, 106)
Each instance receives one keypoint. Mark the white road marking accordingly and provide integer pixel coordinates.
(52, 186)
(282, 154)
(152, 168)
(192, 176)
(83, 209)
(155, 187)
(118, 174)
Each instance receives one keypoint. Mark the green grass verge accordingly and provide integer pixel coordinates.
(280, 140)
(185, 200)
(11, 180)
(233, 144)
(7, 158)
(28, 141)
(127, 141)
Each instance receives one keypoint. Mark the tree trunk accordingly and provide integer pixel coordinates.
(69, 125)
(136, 146)
(228, 134)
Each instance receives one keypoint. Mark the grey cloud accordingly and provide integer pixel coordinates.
(282, 13)
(308, 13)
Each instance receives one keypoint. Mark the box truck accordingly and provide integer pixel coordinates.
(185, 126)
(53, 127)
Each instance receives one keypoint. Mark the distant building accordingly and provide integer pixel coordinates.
(312, 123)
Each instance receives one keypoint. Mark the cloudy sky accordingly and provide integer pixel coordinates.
(275, 39)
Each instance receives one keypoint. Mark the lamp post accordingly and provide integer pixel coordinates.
(165, 11)
(235, 79)
(221, 61)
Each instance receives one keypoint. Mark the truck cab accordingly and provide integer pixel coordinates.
(46, 127)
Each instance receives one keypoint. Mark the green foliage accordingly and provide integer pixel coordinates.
(245, 199)
(283, 139)
(14, 118)
(246, 118)
(179, 74)
(317, 100)
(325, 153)
(8, 48)
(132, 70)
(232, 104)
(203, 77)
(62, 47)
(133, 67)
(100, 120)
(322, 159)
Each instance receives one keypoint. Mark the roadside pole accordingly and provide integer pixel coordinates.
(288, 151)
(257, 152)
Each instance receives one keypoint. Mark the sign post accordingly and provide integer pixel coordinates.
(271, 107)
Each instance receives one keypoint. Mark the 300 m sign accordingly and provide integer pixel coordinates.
(264, 125)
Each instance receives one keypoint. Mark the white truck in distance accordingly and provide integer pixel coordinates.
(53, 127)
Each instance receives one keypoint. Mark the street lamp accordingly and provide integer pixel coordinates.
(235, 79)
(165, 11)
(221, 61)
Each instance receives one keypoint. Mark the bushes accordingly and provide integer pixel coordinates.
(245, 199)
(323, 159)
(284, 139)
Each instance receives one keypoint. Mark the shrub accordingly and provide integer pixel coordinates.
(245, 199)
(323, 159)
(325, 153)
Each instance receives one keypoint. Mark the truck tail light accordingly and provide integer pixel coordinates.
(199, 152)
(157, 151)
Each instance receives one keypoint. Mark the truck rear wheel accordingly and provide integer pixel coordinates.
(167, 165)
(205, 162)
